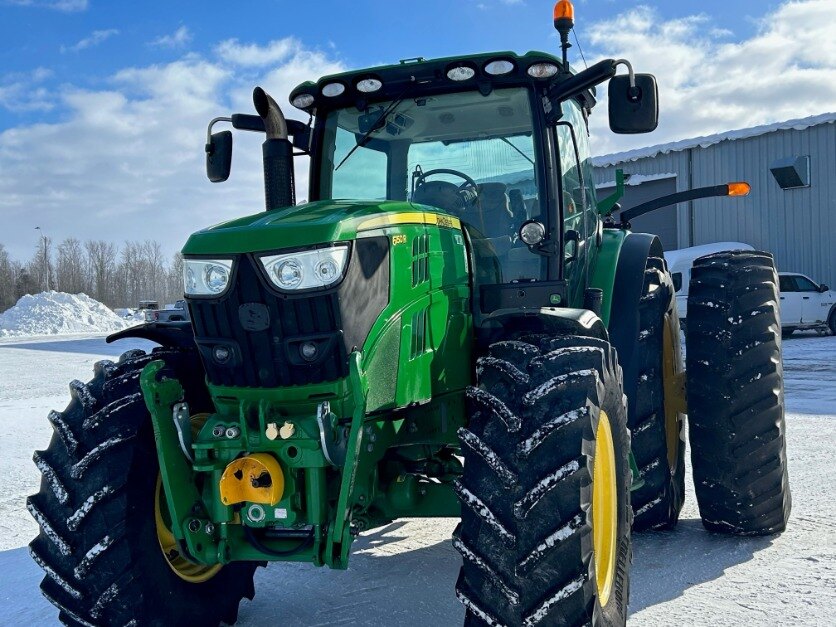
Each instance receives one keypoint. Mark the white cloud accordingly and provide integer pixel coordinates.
(92, 40)
(21, 92)
(709, 84)
(253, 55)
(178, 39)
(127, 161)
(66, 6)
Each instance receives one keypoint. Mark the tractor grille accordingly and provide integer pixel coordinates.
(252, 335)
(262, 330)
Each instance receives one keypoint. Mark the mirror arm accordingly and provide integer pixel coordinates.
(209, 145)
(580, 82)
(630, 73)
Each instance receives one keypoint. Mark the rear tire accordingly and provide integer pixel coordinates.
(98, 540)
(736, 394)
(786, 332)
(831, 322)
(656, 429)
(529, 497)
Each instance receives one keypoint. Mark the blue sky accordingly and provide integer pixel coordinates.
(104, 105)
(85, 46)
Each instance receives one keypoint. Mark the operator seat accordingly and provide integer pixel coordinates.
(493, 211)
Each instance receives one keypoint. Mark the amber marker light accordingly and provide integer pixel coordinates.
(564, 10)
(739, 189)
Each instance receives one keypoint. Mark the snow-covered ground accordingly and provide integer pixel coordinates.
(404, 573)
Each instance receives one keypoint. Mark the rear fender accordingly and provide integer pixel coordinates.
(624, 316)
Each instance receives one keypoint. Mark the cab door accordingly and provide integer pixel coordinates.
(790, 300)
(580, 217)
(811, 300)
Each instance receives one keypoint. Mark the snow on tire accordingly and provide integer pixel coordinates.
(526, 532)
(98, 544)
(736, 394)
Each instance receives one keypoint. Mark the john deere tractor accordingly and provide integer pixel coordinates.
(453, 325)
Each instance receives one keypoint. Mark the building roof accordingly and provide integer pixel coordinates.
(708, 140)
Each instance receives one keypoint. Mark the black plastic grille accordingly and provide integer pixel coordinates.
(265, 353)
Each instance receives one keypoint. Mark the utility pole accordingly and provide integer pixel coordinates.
(46, 259)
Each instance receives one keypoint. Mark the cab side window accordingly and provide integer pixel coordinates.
(787, 284)
(578, 181)
(805, 285)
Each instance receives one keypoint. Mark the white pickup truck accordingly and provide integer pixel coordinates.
(806, 305)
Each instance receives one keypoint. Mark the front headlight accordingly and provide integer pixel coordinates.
(307, 269)
(206, 277)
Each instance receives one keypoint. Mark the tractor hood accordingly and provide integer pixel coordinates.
(298, 226)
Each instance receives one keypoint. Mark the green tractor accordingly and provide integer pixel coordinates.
(452, 326)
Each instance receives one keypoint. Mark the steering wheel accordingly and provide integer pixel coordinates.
(443, 194)
(425, 175)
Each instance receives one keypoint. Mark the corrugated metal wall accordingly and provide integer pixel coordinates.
(797, 225)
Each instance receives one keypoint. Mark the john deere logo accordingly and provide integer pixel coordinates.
(254, 316)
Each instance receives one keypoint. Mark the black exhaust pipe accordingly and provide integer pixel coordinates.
(277, 151)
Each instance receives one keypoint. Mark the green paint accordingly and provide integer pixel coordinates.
(603, 272)
(605, 205)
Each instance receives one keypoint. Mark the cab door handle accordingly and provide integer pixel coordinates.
(805, 298)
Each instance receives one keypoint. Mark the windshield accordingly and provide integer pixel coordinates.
(470, 155)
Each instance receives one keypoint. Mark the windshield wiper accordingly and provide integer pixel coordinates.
(375, 126)
(525, 156)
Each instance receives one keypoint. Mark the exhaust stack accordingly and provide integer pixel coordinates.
(277, 152)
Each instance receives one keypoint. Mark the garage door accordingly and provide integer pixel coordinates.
(662, 222)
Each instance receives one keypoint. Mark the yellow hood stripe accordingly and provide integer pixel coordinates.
(410, 217)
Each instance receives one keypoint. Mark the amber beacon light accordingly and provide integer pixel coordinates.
(564, 21)
(564, 10)
(739, 189)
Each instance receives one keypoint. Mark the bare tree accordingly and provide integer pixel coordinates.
(70, 268)
(40, 267)
(101, 264)
(8, 279)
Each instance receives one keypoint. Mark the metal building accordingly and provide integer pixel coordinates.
(791, 210)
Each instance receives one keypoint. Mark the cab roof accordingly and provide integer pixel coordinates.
(413, 77)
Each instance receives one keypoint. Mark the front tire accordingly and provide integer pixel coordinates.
(545, 531)
(736, 394)
(99, 543)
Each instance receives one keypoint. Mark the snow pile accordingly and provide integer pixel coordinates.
(57, 313)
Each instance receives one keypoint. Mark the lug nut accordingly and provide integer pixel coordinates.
(232, 433)
(210, 528)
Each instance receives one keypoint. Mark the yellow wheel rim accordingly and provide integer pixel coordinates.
(673, 389)
(182, 567)
(604, 509)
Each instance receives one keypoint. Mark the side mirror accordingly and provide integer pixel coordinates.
(633, 109)
(219, 156)
(823, 288)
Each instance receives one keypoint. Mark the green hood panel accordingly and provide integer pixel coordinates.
(301, 225)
